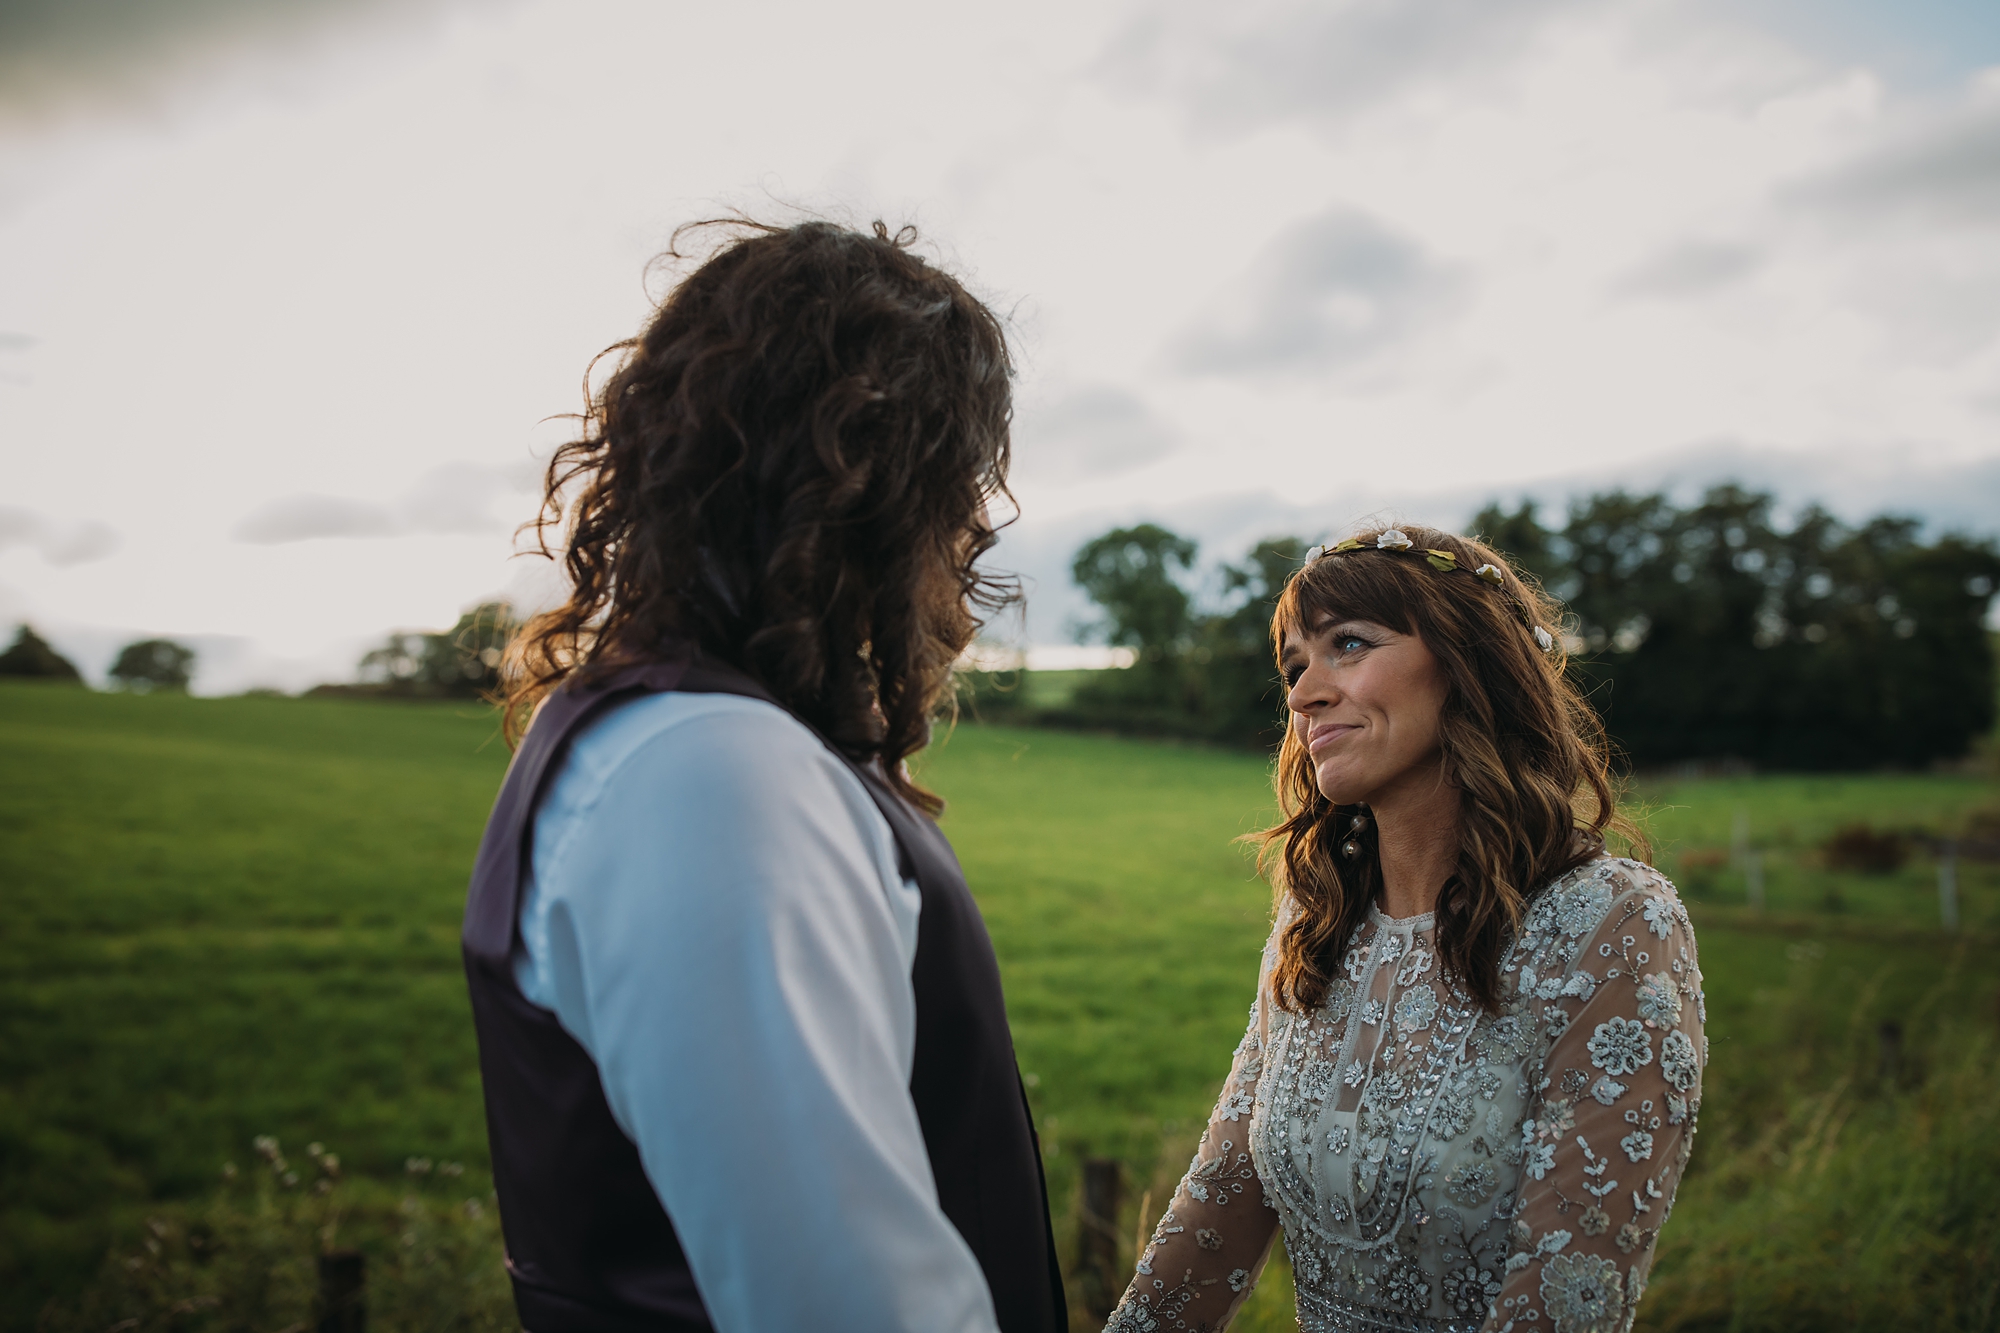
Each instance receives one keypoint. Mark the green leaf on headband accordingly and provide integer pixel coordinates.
(1349, 545)
(1443, 560)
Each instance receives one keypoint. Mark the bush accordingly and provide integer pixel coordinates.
(1699, 870)
(1869, 851)
(248, 1257)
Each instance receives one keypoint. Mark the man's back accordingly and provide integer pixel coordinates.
(716, 917)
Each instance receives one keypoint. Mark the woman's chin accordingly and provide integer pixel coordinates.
(1340, 787)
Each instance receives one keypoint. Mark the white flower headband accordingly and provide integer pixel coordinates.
(1444, 562)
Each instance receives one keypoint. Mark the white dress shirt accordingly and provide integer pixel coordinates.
(714, 911)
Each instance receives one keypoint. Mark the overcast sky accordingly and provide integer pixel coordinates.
(288, 294)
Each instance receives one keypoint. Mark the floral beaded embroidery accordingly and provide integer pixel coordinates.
(1436, 1167)
(1583, 1294)
(1621, 1046)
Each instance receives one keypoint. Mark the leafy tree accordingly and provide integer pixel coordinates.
(464, 660)
(1199, 673)
(153, 664)
(1131, 574)
(30, 655)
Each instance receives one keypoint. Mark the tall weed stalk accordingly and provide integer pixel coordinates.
(246, 1259)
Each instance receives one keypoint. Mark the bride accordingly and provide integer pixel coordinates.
(1469, 1084)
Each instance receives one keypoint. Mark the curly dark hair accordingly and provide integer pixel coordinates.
(1521, 745)
(788, 472)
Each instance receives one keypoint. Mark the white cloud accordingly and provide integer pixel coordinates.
(459, 498)
(336, 296)
(1329, 292)
(1941, 168)
(299, 518)
(454, 500)
(60, 542)
(1905, 223)
(1243, 64)
(1093, 430)
(1691, 268)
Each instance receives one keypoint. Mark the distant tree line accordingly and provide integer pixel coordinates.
(461, 662)
(1701, 632)
(1716, 631)
(148, 664)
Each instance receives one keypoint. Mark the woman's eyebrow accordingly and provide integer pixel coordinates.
(1295, 641)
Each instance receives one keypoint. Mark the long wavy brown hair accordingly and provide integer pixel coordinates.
(787, 472)
(1521, 745)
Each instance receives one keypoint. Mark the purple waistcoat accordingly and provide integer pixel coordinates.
(589, 1246)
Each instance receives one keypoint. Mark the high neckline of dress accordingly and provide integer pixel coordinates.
(1400, 923)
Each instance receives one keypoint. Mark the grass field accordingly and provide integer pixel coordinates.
(238, 917)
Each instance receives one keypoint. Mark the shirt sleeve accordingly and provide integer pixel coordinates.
(1210, 1245)
(715, 929)
(1611, 1129)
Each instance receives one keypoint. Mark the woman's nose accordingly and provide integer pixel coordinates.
(1313, 689)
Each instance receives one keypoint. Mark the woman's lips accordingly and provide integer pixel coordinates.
(1326, 733)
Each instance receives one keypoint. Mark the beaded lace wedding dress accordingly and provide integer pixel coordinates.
(1437, 1168)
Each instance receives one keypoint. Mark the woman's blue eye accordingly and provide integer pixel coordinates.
(1348, 643)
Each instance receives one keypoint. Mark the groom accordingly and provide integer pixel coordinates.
(745, 1056)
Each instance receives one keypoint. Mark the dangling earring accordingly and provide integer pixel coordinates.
(1355, 828)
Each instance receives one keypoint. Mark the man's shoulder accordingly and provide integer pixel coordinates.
(684, 770)
(725, 733)
(707, 756)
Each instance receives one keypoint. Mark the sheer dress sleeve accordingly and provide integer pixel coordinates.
(1211, 1243)
(1612, 1122)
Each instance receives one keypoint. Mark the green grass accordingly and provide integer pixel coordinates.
(224, 918)
(234, 917)
(1838, 1190)
(1789, 818)
(1124, 894)
(1035, 689)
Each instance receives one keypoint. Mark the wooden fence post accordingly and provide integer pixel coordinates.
(1099, 1266)
(343, 1293)
(1948, 884)
(1889, 1038)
